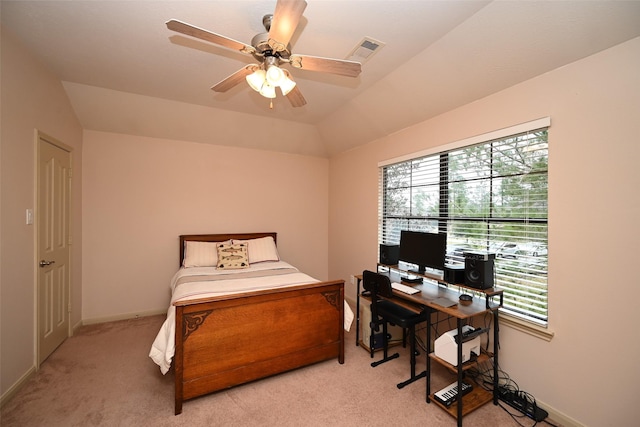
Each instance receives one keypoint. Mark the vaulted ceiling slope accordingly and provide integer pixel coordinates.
(125, 72)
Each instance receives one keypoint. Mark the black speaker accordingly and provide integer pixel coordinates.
(478, 273)
(389, 254)
(454, 274)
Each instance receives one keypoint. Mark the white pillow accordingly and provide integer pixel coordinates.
(261, 249)
(201, 254)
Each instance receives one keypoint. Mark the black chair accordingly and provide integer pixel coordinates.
(383, 312)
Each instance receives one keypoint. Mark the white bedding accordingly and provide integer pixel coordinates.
(200, 282)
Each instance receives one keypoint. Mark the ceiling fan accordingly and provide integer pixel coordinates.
(271, 50)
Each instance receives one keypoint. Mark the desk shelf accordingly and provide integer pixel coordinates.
(474, 399)
(465, 366)
(470, 401)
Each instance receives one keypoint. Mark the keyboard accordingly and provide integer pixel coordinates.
(448, 395)
(404, 288)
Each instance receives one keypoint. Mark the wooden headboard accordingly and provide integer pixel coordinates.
(220, 238)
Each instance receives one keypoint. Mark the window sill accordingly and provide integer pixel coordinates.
(526, 327)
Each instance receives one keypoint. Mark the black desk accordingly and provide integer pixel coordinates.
(429, 292)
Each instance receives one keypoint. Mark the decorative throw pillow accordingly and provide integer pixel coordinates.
(261, 249)
(233, 256)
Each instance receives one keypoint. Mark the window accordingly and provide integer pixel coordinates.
(488, 196)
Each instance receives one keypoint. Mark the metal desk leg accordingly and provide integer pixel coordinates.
(496, 344)
(357, 311)
(428, 347)
(459, 397)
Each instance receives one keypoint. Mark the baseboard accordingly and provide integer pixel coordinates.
(559, 418)
(125, 316)
(8, 395)
(75, 328)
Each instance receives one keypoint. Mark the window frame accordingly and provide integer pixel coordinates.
(519, 321)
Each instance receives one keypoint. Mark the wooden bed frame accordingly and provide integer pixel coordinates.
(229, 340)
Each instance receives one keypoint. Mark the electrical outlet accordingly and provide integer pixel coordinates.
(352, 278)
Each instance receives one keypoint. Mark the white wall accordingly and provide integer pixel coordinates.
(32, 98)
(140, 194)
(587, 371)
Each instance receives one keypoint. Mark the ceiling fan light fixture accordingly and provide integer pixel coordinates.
(256, 80)
(275, 75)
(268, 91)
(287, 86)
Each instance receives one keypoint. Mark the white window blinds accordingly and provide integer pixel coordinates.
(489, 196)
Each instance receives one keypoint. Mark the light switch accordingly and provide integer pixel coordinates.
(29, 216)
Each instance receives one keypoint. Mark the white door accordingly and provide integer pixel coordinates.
(54, 185)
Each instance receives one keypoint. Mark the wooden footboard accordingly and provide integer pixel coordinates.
(225, 341)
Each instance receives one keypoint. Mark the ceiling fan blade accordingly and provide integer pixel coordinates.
(295, 97)
(284, 22)
(234, 78)
(326, 65)
(190, 30)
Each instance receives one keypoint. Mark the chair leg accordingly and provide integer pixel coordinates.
(385, 340)
(385, 347)
(371, 339)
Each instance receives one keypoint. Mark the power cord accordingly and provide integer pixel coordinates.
(509, 391)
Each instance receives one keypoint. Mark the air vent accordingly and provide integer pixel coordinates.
(365, 50)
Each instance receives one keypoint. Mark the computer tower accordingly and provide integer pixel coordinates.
(365, 330)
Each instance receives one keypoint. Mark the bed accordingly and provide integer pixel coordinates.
(227, 326)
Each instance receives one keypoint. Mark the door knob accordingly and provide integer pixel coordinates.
(44, 263)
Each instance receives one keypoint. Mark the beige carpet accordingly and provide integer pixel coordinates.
(103, 377)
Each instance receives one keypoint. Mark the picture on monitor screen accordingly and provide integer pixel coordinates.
(426, 250)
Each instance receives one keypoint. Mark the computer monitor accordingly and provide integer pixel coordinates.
(423, 249)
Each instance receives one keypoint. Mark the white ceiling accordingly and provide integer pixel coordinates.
(438, 55)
